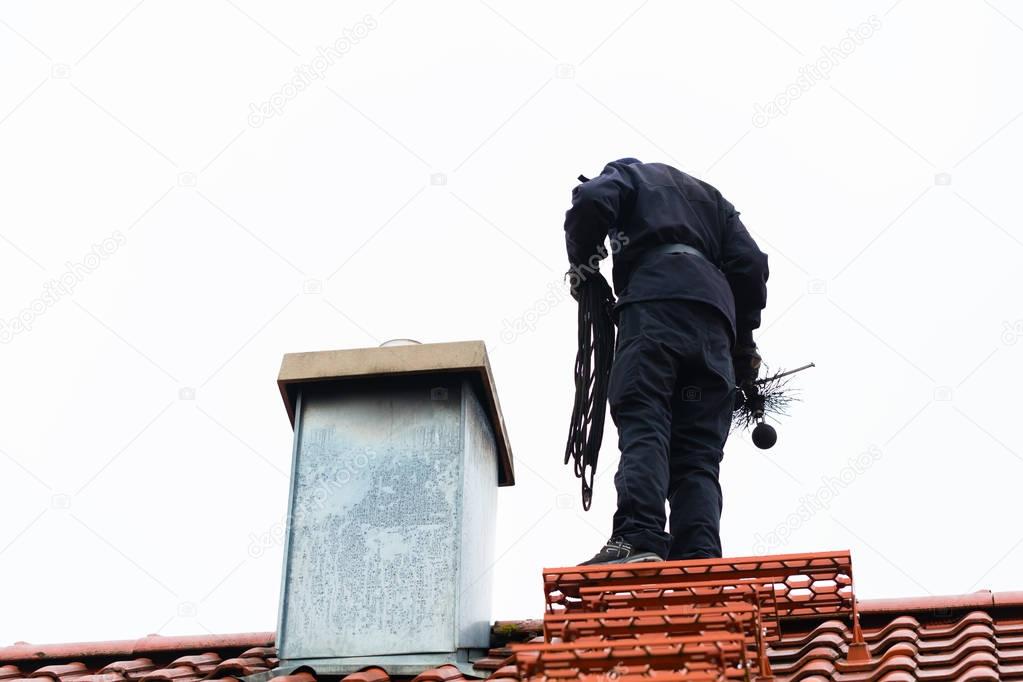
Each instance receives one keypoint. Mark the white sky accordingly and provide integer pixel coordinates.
(127, 510)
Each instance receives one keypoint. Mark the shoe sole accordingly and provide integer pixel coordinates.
(641, 558)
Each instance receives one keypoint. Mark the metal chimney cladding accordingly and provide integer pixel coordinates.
(398, 454)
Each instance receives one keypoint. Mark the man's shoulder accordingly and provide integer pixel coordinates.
(663, 174)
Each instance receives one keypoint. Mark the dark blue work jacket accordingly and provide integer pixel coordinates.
(641, 205)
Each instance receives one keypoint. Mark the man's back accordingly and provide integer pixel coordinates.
(643, 205)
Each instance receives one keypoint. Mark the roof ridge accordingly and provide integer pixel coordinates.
(24, 651)
(982, 599)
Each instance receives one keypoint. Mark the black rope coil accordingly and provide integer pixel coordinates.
(592, 374)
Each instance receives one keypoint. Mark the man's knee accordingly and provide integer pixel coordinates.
(699, 462)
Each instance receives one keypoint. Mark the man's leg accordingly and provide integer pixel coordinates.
(640, 391)
(701, 416)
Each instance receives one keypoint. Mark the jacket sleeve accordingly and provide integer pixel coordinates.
(596, 207)
(745, 268)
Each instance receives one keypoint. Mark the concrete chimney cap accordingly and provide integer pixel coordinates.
(460, 357)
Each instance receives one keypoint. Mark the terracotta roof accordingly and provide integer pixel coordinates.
(153, 658)
(636, 622)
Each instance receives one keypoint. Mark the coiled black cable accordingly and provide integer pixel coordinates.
(592, 374)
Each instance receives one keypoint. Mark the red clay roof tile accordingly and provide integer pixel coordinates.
(131, 669)
(260, 652)
(181, 673)
(61, 671)
(368, 675)
(240, 666)
(101, 677)
(505, 672)
(445, 673)
(207, 661)
(490, 662)
(303, 676)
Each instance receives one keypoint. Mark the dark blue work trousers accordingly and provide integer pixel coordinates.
(672, 391)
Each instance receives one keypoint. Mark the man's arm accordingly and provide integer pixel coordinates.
(596, 206)
(745, 268)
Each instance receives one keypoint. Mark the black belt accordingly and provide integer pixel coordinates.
(671, 248)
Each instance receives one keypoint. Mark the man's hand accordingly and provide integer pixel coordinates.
(747, 365)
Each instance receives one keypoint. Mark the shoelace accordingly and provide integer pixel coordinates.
(620, 545)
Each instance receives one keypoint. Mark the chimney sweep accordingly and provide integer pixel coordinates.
(691, 283)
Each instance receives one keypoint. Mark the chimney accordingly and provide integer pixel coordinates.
(398, 453)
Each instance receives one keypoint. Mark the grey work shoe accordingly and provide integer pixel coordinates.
(618, 551)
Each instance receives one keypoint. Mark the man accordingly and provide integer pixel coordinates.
(690, 283)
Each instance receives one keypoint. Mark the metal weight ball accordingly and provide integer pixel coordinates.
(764, 436)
